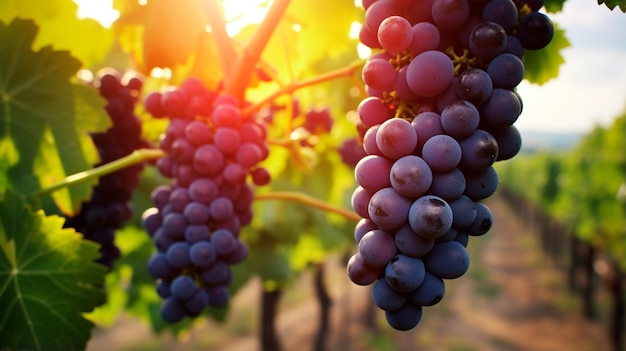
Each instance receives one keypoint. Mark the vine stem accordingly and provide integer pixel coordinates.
(225, 47)
(343, 72)
(135, 157)
(305, 199)
(245, 64)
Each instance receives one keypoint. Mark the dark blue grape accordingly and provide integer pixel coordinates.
(480, 151)
(430, 292)
(535, 31)
(404, 273)
(480, 184)
(177, 255)
(463, 212)
(483, 221)
(474, 85)
(447, 260)
(387, 298)
(202, 254)
(506, 71)
(183, 287)
(405, 318)
(173, 310)
(197, 302)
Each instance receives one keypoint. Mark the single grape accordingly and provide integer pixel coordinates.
(410, 176)
(430, 216)
(395, 34)
(506, 71)
(177, 255)
(183, 287)
(450, 15)
(387, 298)
(361, 273)
(502, 12)
(460, 119)
(372, 173)
(479, 151)
(379, 74)
(404, 273)
(388, 209)
(447, 260)
(483, 221)
(377, 248)
(487, 40)
(448, 185)
(406, 317)
(442, 153)
(481, 184)
(425, 37)
(535, 31)
(430, 292)
(412, 244)
(430, 73)
(396, 138)
(202, 254)
(474, 85)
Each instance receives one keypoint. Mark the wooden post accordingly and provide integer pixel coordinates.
(269, 304)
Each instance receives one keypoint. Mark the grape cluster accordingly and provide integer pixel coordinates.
(109, 207)
(439, 112)
(195, 223)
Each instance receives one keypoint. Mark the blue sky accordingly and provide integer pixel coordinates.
(591, 87)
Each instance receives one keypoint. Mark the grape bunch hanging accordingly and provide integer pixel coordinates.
(440, 111)
(212, 149)
(109, 207)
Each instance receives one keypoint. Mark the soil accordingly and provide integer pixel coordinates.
(511, 299)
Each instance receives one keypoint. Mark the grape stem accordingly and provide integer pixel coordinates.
(247, 61)
(225, 47)
(347, 71)
(308, 200)
(137, 156)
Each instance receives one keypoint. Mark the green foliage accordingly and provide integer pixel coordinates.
(542, 65)
(44, 118)
(581, 188)
(61, 28)
(35, 252)
(554, 6)
(611, 4)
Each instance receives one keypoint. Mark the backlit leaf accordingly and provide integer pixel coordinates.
(44, 118)
(48, 279)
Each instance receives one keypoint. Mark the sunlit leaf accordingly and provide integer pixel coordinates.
(86, 39)
(44, 116)
(48, 279)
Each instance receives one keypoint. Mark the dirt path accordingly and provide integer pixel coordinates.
(509, 300)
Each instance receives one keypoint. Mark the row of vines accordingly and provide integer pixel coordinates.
(577, 201)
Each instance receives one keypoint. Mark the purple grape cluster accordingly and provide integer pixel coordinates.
(212, 149)
(109, 207)
(440, 111)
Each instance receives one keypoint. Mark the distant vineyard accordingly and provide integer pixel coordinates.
(577, 198)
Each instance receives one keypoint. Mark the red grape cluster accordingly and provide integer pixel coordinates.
(440, 111)
(212, 149)
(109, 207)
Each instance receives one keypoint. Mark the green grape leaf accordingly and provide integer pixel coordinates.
(61, 28)
(611, 4)
(542, 65)
(48, 279)
(554, 6)
(44, 118)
